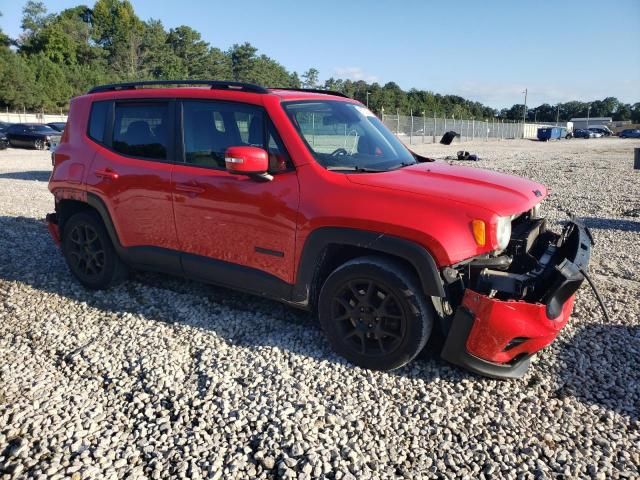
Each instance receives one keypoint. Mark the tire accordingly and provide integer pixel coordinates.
(39, 144)
(394, 319)
(89, 253)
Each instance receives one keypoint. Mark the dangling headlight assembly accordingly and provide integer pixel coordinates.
(503, 232)
(536, 212)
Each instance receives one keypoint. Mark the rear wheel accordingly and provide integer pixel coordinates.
(374, 313)
(39, 144)
(89, 252)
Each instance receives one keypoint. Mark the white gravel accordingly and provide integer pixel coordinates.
(163, 377)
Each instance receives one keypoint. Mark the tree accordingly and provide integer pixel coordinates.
(5, 41)
(34, 19)
(243, 58)
(118, 30)
(310, 78)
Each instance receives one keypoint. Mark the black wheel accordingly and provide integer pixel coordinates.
(374, 313)
(39, 144)
(89, 252)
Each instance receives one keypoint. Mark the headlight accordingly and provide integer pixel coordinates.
(503, 232)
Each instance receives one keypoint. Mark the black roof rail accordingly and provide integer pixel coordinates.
(214, 84)
(313, 90)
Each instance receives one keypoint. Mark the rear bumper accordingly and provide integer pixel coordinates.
(52, 226)
(497, 337)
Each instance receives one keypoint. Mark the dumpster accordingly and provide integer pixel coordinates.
(551, 133)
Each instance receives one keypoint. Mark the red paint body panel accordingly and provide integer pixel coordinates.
(227, 216)
(138, 196)
(498, 322)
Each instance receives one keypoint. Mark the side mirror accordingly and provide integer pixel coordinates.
(251, 161)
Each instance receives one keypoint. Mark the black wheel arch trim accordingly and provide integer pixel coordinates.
(98, 204)
(324, 237)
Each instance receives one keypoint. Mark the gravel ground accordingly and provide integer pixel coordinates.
(162, 377)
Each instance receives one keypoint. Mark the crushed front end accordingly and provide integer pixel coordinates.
(504, 308)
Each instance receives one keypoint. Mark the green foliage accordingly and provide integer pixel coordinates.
(310, 78)
(62, 55)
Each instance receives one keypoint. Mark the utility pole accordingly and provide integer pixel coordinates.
(588, 111)
(411, 133)
(524, 113)
(368, 93)
(558, 115)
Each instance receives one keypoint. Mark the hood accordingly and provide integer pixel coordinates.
(497, 192)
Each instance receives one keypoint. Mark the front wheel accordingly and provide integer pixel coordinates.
(39, 144)
(89, 253)
(374, 313)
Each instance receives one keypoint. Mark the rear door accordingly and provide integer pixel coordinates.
(131, 173)
(233, 219)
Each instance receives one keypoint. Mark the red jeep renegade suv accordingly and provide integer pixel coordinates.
(305, 197)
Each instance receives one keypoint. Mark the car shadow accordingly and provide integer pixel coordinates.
(611, 224)
(600, 365)
(139, 296)
(37, 175)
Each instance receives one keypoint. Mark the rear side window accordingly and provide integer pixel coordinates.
(98, 120)
(140, 130)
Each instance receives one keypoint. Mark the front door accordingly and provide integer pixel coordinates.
(246, 227)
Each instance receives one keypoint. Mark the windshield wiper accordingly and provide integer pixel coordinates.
(354, 168)
(402, 164)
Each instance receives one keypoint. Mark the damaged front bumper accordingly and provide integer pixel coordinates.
(507, 314)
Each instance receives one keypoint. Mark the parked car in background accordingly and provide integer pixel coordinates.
(59, 126)
(604, 131)
(4, 126)
(4, 141)
(32, 135)
(584, 133)
(630, 133)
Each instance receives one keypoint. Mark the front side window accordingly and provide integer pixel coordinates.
(210, 128)
(140, 130)
(347, 136)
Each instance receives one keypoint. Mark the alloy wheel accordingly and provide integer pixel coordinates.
(369, 317)
(86, 251)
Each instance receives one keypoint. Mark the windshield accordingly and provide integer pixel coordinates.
(347, 136)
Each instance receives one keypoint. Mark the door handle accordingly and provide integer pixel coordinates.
(189, 188)
(107, 174)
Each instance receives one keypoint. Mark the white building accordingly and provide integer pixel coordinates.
(591, 122)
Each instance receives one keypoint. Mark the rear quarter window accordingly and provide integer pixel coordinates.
(98, 120)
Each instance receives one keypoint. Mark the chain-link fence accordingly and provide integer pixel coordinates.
(415, 130)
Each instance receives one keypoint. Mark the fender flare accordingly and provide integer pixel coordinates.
(407, 250)
(98, 204)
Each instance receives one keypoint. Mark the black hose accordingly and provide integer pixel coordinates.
(595, 291)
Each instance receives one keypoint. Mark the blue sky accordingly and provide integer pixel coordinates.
(488, 51)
